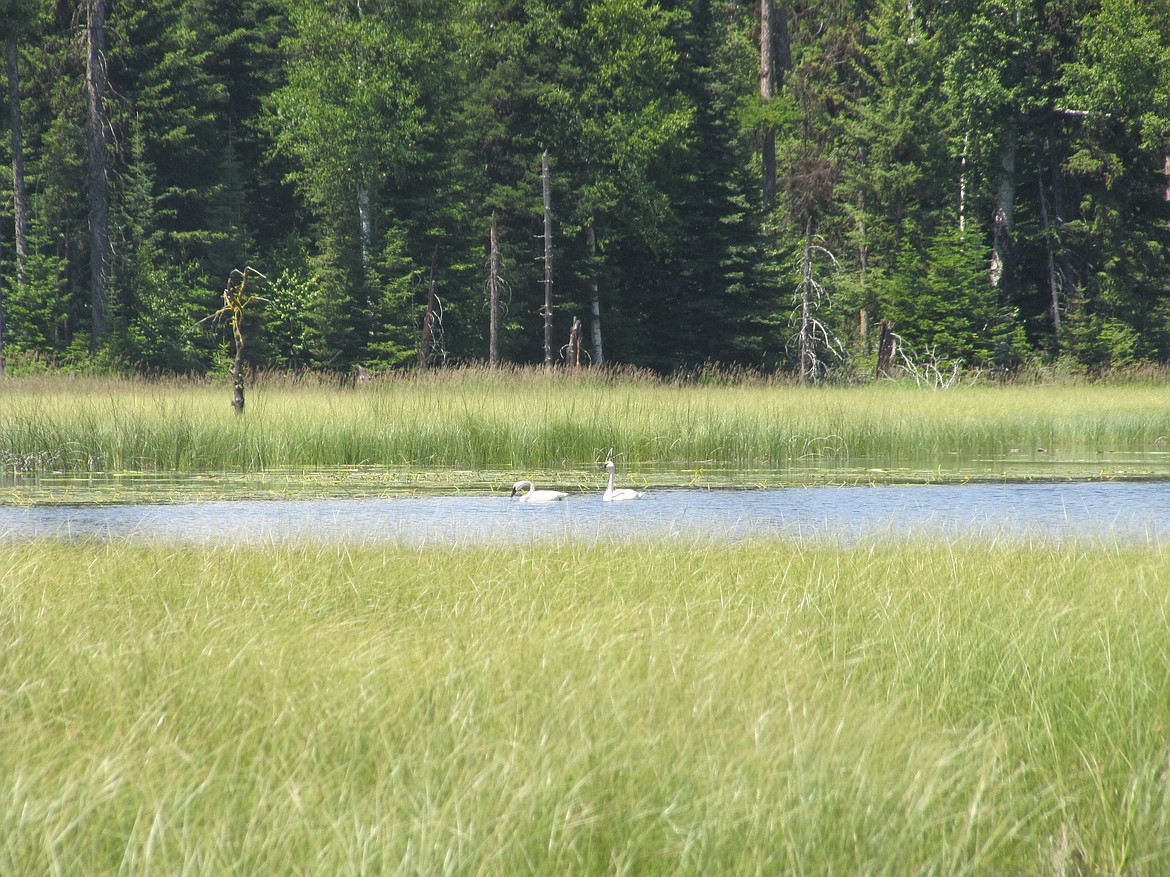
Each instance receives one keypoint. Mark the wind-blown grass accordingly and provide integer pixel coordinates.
(650, 708)
(483, 420)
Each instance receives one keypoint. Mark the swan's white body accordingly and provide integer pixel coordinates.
(533, 495)
(613, 494)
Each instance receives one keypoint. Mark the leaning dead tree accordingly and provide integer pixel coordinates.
(235, 300)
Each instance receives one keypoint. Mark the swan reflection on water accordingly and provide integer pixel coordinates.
(1129, 511)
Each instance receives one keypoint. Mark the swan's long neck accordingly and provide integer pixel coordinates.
(609, 488)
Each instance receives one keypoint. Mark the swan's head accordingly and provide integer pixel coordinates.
(516, 487)
(608, 464)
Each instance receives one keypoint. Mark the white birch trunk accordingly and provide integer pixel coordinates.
(963, 183)
(1004, 218)
(367, 225)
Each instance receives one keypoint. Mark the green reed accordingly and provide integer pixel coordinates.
(480, 419)
(648, 707)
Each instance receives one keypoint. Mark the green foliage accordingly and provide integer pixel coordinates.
(288, 338)
(1122, 76)
(396, 322)
(158, 302)
(348, 111)
(1119, 80)
(158, 330)
(35, 313)
(943, 304)
(167, 104)
(344, 147)
(629, 118)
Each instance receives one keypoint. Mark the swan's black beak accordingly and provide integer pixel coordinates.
(513, 492)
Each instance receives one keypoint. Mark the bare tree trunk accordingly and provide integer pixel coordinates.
(99, 187)
(238, 376)
(767, 92)
(885, 350)
(806, 340)
(424, 345)
(235, 301)
(494, 298)
(1166, 173)
(963, 183)
(863, 269)
(1004, 221)
(367, 226)
(366, 233)
(775, 60)
(1065, 271)
(1053, 277)
(546, 184)
(2, 325)
(594, 297)
(17, 177)
(574, 351)
(19, 197)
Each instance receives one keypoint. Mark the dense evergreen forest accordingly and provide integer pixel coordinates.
(755, 183)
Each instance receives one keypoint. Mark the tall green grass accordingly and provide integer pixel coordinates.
(479, 419)
(642, 708)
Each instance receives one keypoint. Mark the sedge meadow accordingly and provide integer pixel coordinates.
(646, 706)
(480, 429)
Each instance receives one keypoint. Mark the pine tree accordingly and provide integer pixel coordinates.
(1118, 92)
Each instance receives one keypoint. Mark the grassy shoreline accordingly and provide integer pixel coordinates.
(478, 421)
(654, 708)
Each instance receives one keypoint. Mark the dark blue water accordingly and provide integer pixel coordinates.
(1125, 511)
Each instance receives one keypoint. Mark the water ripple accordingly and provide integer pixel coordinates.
(1126, 511)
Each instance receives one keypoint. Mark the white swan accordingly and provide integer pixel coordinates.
(533, 495)
(613, 495)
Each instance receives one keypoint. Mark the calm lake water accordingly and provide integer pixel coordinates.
(1117, 511)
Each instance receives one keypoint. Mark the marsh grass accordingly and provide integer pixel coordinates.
(650, 708)
(477, 419)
